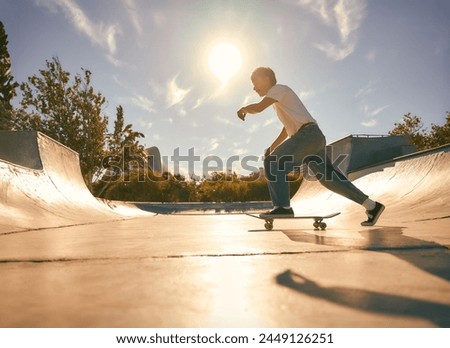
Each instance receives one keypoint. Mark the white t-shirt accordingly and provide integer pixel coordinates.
(289, 108)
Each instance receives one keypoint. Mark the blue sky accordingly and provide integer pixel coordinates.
(358, 65)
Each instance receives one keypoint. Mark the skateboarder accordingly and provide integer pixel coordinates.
(300, 142)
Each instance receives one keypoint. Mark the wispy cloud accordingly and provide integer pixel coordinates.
(145, 124)
(365, 91)
(119, 63)
(198, 103)
(305, 95)
(182, 112)
(349, 15)
(100, 34)
(321, 8)
(213, 144)
(143, 102)
(249, 98)
(368, 89)
(269, 121)
(224, 120)
(371, 115)
(336, 52)
(240, 151)
(374, 112)
(132, 10)
(253, 128)
(378, 110)
(175, 94)
(344, 15)
(370, 123)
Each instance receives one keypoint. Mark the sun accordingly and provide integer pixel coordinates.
(225, 60)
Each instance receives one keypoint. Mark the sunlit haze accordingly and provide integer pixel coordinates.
(225, 61)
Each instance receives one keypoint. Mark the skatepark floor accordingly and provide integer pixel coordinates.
(226, 270)
(70, 260)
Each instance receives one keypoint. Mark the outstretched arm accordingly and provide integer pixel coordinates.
(255, 108)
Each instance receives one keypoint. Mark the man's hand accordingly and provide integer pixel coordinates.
(255, 108)
(241, 114)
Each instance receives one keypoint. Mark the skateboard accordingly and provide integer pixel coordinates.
(318, 220)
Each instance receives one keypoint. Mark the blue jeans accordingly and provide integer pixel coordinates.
(307, 146)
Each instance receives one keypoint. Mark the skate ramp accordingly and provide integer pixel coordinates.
(42, 186)
(413, 188)
(362, 151)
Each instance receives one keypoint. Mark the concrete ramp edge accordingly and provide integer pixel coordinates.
(46, 188)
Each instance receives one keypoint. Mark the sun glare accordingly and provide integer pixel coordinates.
(224, 60)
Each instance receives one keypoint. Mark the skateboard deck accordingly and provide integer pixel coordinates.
(318, 220)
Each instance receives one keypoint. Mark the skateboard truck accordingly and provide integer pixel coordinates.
(318, 220)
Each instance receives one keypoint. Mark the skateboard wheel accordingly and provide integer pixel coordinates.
(268, 226)
(323, 225)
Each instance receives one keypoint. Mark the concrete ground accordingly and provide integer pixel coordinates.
(70, 260)
(226, 271)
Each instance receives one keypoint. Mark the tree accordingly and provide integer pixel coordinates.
(423, 139)
(122, 149)
(7, 84)
(69, 112)
(124, 136)
(412, 126)
(440, 135)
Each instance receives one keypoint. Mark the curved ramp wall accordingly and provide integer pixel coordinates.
(41, 186)
(413, 188)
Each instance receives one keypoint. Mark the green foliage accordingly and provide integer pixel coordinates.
(144, 186)
(122, 139)
(412, 126)
(124, 136)
(67, 111)
(421, 137)
(440, 135)
(7, 84)
(5, 117)
(70, 111)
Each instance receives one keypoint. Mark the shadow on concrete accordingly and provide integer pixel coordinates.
(368, 300)
(429, 256)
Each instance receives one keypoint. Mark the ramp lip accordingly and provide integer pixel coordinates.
(21, 148)
(395, 160)
(40, 134)
(33, 159)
